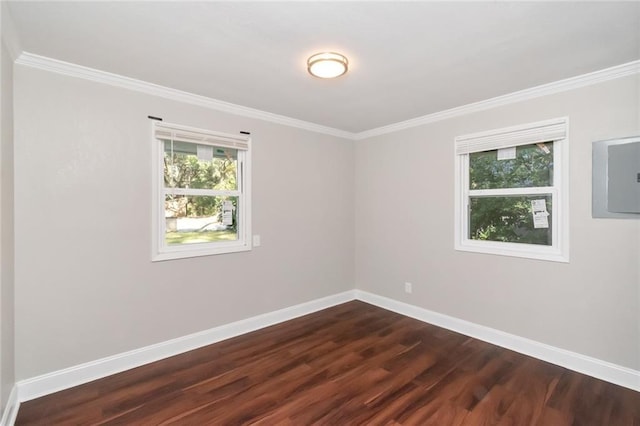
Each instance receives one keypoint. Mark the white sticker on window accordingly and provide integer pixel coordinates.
(227, 213)
(204, 152)
(507, 153)
(540, 213)
(544, 148)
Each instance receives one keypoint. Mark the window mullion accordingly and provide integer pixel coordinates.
(511, 191)
(202, 192)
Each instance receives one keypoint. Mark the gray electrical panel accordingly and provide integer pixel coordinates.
(623, 184)
(616, 178)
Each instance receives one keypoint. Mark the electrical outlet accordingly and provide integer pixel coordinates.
(408, 288)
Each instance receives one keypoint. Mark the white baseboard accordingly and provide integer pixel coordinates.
(35, 387)
(10, 412)
(83, 373)
(593, 367)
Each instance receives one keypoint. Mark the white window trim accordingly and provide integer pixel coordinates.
(159, 250)
(556, 130)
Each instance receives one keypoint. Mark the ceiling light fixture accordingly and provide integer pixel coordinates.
(327, 65)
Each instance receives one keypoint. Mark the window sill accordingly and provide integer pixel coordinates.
(526, 251)
(187, 252)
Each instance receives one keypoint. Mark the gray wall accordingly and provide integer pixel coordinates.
(85, 285)
(404, 213)
(7, 364)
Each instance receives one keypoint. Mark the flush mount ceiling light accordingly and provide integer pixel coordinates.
(327, 65)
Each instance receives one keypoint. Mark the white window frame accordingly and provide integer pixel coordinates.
(162, 131)
(556, 130)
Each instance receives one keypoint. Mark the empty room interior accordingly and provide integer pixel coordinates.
(338, 213)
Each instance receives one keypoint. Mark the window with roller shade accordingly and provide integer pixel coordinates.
(511, 191)
(201, 192)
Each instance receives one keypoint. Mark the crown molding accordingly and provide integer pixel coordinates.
(589, 79)
(79, 71)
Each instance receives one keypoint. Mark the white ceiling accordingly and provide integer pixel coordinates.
(408, 59)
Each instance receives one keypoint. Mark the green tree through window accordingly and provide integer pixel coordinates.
(185, 169)
(510, 218)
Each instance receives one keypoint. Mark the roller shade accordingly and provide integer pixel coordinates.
(176, 133)
(544, 131)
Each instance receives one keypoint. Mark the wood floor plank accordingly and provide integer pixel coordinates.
(352, 364)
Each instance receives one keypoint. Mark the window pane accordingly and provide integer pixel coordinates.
(531, 167)
(190, 165)
(200, 219)
(511, 219)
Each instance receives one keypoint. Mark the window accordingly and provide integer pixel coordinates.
(201, 203)
(511, 191)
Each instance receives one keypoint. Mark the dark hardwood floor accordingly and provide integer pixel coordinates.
(353, 364)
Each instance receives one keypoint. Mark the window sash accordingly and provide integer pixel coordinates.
(241, 236)
(545, 190)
